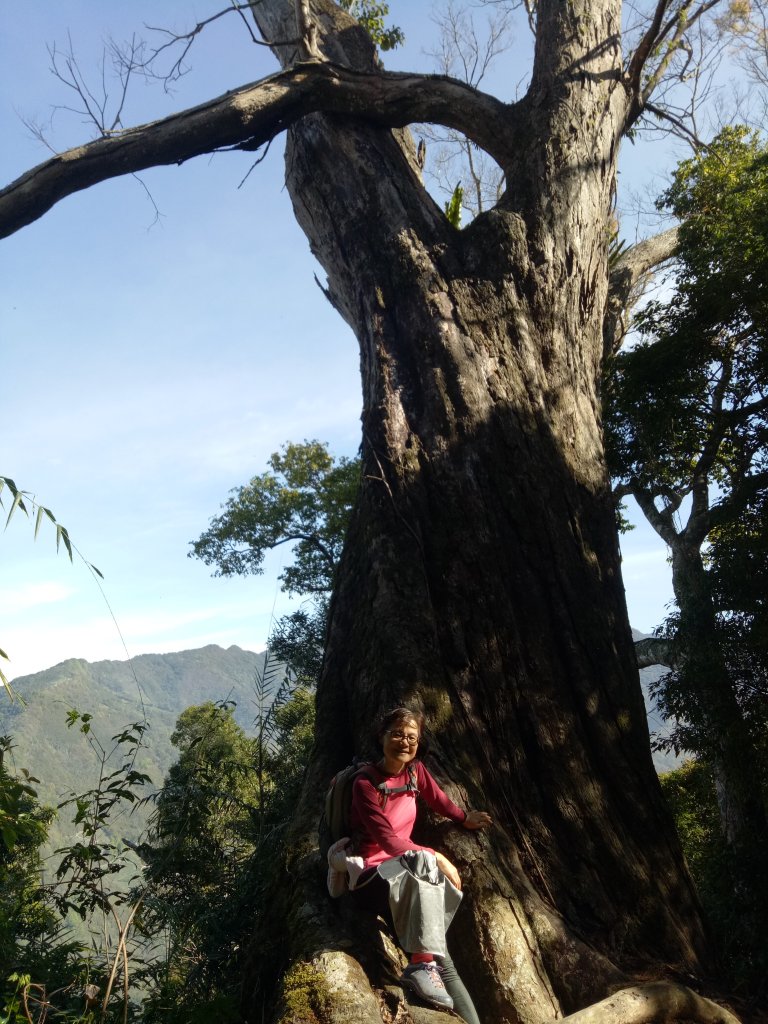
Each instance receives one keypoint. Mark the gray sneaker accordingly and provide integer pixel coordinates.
(425, 981)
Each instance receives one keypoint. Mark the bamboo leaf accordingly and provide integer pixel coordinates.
(38, 519)
(62, 537)
(67, 542)
(18, 502)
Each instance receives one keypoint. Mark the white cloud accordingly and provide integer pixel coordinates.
(48, 637)
(32, 595)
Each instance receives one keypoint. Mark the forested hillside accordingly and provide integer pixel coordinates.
(117, 693)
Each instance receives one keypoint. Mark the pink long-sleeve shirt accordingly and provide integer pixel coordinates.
(385, 832)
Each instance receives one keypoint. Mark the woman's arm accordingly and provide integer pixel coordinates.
(435, 798)
(440, 803)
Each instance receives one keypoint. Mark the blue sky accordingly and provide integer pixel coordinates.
(148, 368)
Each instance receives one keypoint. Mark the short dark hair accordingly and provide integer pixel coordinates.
(401, 715)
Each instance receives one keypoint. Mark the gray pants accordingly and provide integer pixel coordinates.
(422, 901)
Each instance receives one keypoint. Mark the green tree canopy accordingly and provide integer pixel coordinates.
(688, 403)
(198, 847)
(199, 829)
(304, 498)
(25, 913)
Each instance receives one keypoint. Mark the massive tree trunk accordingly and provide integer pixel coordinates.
(481, 576)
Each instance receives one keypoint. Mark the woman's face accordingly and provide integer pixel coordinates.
(400, 743)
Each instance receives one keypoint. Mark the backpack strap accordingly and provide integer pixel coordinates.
(385, 791)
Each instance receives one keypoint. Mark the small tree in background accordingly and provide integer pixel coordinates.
(52, 971)
(211, 849)
(199, 841)
(305, 498)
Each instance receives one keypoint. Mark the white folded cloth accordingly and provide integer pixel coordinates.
(343, 869)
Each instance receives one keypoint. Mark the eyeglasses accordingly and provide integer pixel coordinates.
(412, 741)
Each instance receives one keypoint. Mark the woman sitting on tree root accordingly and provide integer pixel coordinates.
(420, 885)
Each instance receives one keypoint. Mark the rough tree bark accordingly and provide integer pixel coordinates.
(481, 576)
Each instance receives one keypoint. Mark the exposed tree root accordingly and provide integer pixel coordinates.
(333, 988)
(659, 1002)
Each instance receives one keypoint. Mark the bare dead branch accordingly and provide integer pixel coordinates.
(126, 62)
(256, 163)
(36, 130)
(158, 215)
(186, 41)
(249, 117)
(676, 30)
(681, 128)
(71, 77)
(670, 38)
(94, 103)
(467, 53)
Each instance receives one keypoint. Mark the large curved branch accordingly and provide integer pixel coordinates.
(626, 274)
(655, 650)
(749, 488)
(249, 117)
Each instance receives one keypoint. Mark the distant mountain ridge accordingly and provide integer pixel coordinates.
(167, 682)
(117, 693)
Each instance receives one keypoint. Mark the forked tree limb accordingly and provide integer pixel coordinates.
(253, 115)
(659, 1002)
(645, 47)
(625, 277)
